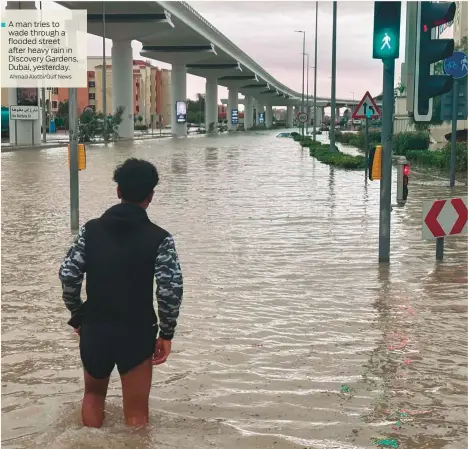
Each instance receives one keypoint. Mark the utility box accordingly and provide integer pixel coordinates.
(81, 156)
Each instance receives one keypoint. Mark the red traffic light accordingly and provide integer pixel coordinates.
(406, 170)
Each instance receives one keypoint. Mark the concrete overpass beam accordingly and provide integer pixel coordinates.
(290, 116)
(233, 103)
(211, 103)
(122, 84)
(269, 116)
(179, 93)
(248, 112)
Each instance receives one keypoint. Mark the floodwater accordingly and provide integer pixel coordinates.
(290, 334)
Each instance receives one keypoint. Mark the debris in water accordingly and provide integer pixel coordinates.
(385, 443)
(345, 388)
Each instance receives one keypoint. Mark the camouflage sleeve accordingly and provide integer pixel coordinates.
(169, 288)
(72, 272)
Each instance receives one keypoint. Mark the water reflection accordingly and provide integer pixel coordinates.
(179, 163)
(284, 304)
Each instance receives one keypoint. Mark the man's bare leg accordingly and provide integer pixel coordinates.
(92, 410)
(136, 385)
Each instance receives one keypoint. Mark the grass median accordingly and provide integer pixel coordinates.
(322, 153)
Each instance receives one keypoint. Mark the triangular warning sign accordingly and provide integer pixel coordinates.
(367, 108)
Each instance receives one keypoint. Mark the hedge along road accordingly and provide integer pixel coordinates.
(290, 334)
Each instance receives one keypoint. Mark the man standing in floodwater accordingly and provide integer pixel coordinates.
(122, 252)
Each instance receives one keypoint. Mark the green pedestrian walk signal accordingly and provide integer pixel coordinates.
(386, 30)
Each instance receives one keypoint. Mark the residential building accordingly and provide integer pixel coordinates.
(460, 22)
(151, 92)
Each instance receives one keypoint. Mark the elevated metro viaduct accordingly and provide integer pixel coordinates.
(173, 32)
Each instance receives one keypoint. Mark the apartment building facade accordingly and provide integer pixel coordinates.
(151, 92)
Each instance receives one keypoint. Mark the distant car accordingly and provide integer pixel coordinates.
(324, 128)
(284, 135)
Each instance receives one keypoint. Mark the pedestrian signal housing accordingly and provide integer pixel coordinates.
(404, 170)
(81, 156)
(386, 30)
(429, 50)
(375, 163)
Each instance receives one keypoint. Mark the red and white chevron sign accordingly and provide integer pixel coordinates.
(444, 218)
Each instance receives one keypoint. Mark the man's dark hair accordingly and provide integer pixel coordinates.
(136, 179)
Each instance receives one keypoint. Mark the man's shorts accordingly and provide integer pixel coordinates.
(104, 345)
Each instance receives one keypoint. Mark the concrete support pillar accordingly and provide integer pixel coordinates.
(23, 132)
(179, 93)
(289, 117)
(320, 114)
(260, 108)
(337, 113)
(248, 112)
(211, 103)
(233, 103)
(122, 84)
(269, 116)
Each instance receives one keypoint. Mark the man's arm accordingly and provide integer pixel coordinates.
(169, 287)
(72, 272)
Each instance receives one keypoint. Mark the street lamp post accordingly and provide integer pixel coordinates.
(303, 72)
(315, 72)
(333, 82)
(307, 96)
(104, 72)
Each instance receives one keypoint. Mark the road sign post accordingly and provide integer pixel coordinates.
(457, 66)
(453, 138)
(366, 147)
(444, 218)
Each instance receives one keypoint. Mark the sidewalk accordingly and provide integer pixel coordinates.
(61, 140)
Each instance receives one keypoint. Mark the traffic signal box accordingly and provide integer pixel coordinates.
(386, 30)
(428, 51)
(81, 156)
(375, 163)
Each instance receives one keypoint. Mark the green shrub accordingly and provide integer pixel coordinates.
(440, 158)
(461, 156)
(297, 137)
(407, 141)
(323, 154)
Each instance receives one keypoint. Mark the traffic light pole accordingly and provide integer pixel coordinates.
(73, 149)
(453, 140)
(387, 144)
(333, 83)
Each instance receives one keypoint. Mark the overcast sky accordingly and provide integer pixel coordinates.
(265, 31)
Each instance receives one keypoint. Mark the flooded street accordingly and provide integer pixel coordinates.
(290, 334)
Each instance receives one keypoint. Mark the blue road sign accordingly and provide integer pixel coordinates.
(456, 65)
(234, 116)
